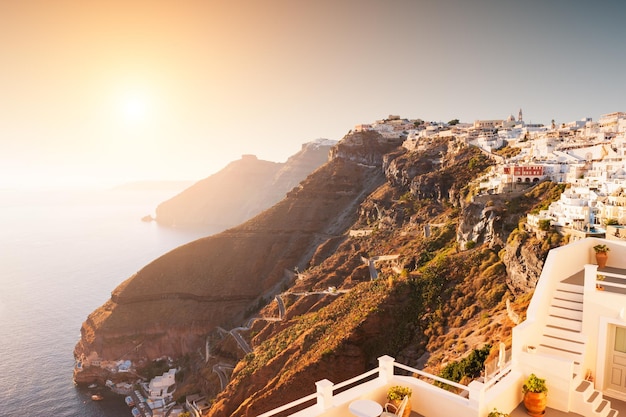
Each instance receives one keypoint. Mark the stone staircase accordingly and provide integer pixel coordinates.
(590, 402)
(562, 337)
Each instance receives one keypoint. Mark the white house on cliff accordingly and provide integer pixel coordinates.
(574, 336)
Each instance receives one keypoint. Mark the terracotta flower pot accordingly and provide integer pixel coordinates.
(407, 409)
(601, 258)
(535, 403)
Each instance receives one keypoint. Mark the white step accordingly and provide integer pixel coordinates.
(565, 313)
(594, 399)
(568, 295)
(603, 409)
(568, 345)
(574, 288)
(572, 305)
(554, 351)
(564, 334)
(574, 325)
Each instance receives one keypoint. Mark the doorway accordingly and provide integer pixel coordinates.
(616, 364)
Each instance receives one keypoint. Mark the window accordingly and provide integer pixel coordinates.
(620, 339)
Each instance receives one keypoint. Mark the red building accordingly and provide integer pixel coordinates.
(525, 173)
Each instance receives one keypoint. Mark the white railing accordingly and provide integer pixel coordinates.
(369, 384)
(496, 367)
(290, 405)
(463, 388)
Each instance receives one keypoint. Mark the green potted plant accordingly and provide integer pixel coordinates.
(396, 393)
(496, 413)
(600, 278)
(535, 395)
(602, 254)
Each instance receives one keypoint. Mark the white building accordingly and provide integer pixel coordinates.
(162, 387)
(574, 336)
(575, 208)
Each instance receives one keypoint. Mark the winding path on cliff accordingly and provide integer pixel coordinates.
(219, 369)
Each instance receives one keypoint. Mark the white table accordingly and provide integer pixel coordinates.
(365, 408)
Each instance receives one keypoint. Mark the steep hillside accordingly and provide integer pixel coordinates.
(433, 305)
(169, 306)
(443, 295)
(241, 190)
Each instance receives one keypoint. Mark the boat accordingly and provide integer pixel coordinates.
(129, 401)
(92, 386)
(97, 397)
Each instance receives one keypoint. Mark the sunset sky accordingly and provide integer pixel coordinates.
(104, 92)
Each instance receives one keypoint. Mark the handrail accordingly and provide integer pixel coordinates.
(431, 376)
(314, 395)
(356, 378)
(289, 405)
(499, 375)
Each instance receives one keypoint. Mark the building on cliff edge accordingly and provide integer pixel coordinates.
(574, 336)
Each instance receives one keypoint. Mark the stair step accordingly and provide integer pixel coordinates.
(594, 397)
(564, 334)
(562, 353)
(565, 312)
(565, 303)
(563, 344)
(612, 413)
(573, 288)
(603, 407)
(583, 386)
(565, 323)
(569, 295)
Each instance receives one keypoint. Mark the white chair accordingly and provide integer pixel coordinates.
(399, 410)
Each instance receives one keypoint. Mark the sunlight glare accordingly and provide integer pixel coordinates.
(134, 108)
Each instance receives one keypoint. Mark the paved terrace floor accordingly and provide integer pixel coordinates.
(520, 411)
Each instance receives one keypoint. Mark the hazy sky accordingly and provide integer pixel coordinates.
(113, 91)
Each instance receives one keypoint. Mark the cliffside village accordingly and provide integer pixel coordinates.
(587, 155)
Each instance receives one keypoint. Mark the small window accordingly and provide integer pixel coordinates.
(620, 339)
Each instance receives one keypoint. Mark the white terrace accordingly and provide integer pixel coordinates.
(574, 336)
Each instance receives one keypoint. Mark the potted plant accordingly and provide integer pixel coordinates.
(395, 394)
(599, 277)
(496, 413)
(535, 395)
(602, 254)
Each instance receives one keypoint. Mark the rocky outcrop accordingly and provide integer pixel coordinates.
(524, 262)
(241, 190)
(480, 222)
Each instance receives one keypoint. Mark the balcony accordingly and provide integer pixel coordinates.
(427, 400)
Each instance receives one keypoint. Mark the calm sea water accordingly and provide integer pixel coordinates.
(61, 254)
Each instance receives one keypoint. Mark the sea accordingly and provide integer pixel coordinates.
(62, 252)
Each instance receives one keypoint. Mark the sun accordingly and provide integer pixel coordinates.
(134, 108)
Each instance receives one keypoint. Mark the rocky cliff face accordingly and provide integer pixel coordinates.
(172, 304)
(425, 308)
(241, 190)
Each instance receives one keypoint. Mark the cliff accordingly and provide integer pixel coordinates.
(170, 305)
(443, 296)
(241, 190)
